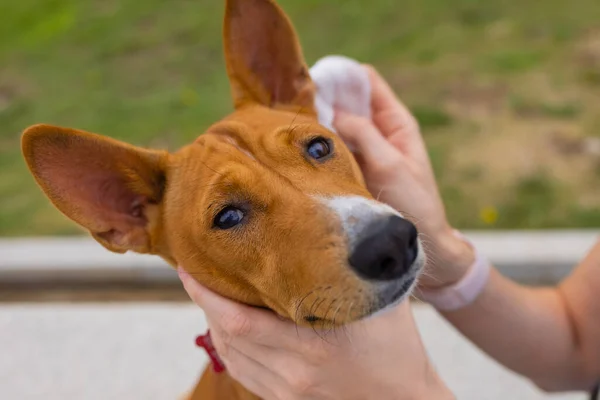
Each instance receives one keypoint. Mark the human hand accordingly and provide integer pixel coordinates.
(380, 358)
(397, 170)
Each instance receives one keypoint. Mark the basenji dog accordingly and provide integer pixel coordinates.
(267, 207)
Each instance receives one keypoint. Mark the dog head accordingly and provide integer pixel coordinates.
(267, 207)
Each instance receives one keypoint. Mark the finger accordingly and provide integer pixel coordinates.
(362, 135)
(239, 321)
(394, 119)
(384, 100)
(252, 375)
(225, 344)
(282, 373)
(359, 132)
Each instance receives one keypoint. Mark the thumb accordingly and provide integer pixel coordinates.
(196, 291)
(360, 134)
(233, 318)
(212, 303)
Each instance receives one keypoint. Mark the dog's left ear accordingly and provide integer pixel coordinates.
(264, 59)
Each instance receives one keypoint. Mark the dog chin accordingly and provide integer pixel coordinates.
(402, 290)
(397, 298)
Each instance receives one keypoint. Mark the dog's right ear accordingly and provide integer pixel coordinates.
(110, 188)
(264, 60)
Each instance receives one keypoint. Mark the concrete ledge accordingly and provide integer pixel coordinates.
(75, 259)
(535, 257)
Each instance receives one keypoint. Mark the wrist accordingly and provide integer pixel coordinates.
(435, 388)
(438, 390)
(453, 293)
(452, 257)
(432, 387)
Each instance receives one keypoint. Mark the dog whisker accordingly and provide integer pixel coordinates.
(413, 218)
(290, 129)
(302, 301)
(310, 310)
(212, 169)
(379, 194)
(319, 305)
(345, 327)
(327, 312)
(335, 314)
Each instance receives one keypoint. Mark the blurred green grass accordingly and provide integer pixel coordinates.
(507, 91)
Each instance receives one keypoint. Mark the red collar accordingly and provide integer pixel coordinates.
(206, 343)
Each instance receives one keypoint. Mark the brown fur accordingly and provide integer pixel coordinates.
(289, 247)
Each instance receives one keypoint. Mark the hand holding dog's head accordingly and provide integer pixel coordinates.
(267, 207)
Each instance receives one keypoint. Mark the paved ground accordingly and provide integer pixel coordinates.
(146, 351)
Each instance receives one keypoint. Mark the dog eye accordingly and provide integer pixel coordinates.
(318, 148)
(228, 218)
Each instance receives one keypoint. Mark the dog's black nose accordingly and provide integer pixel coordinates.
(386, 251)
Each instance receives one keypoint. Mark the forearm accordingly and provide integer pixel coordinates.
(529, 330)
